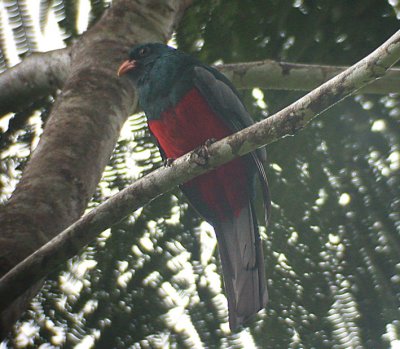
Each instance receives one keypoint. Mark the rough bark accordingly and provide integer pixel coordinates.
(38, 75)
(80, 135)
(284, 123)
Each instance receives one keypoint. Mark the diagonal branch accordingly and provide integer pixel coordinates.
(284, 123)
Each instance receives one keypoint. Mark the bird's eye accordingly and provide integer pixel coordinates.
(143, 51)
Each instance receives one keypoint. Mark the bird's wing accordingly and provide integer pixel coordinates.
(223, 98)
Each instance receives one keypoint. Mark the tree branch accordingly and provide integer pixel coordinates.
(273, 75)
(284, 123)
(42, 73)
(36, 76)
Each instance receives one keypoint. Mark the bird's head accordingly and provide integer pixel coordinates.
(142, 57)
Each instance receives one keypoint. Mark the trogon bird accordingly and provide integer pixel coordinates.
(188, 103)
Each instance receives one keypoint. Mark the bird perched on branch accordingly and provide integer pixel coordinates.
(187, 104)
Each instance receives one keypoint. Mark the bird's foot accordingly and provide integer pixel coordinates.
(168, 162)
(210, 141)
(201, 155)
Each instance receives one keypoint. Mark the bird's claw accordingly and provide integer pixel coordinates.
(168, 162)
(210, 141)
(201, 155)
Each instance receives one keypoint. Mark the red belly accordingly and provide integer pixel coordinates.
(189, 125)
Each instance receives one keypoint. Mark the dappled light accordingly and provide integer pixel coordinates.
(332, 248)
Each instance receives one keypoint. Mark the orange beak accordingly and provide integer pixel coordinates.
(126, 66)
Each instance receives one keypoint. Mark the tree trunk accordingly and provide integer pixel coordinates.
(80, 134)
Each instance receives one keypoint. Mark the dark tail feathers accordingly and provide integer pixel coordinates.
(243, 266)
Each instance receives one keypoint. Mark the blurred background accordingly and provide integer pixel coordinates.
(332, 250)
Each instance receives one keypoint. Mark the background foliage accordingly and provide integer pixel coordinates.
(333, 247)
